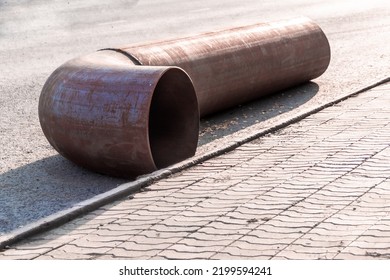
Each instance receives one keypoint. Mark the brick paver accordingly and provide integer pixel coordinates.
(318, 189)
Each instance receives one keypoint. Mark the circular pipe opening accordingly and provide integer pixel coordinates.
(173, 119)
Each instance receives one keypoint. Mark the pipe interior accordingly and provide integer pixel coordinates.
(173, 119)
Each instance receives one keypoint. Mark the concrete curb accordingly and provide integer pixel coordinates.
(126, 189)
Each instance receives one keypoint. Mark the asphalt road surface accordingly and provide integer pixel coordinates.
(37, 36)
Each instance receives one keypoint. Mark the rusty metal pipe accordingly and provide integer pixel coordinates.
(234, 66)
(112, 117)
(131, 110)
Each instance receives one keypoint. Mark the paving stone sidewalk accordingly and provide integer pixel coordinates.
(318, 189)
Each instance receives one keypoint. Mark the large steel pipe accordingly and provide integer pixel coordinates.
(237, 65)
(131, 110)
(112, 117)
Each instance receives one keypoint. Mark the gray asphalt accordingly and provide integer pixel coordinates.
(37, 36)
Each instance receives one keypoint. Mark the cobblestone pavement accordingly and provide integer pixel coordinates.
(318, 189)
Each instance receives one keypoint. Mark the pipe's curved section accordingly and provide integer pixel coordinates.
(237, 65)
(112, 117)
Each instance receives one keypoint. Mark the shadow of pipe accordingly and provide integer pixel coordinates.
(44, 187)
(230, 121)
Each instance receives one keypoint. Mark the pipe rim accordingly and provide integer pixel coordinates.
(173, 124)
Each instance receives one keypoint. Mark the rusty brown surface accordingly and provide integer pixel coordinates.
(112, 117)
(234, 66)
(133, 110)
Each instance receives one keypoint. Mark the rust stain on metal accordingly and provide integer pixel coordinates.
(109, 114)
